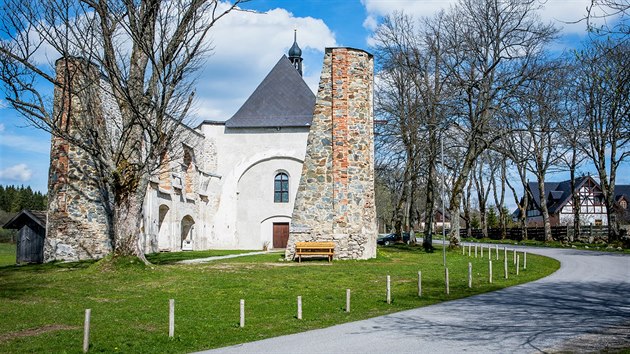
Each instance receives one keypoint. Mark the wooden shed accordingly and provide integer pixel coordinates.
(31, 234)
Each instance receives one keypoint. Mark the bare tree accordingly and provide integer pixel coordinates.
(614, 13)
(603, 91)
(491, 45)
(147, 50)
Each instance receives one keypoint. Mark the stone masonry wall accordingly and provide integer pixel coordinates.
(77, 226)
(335, 198)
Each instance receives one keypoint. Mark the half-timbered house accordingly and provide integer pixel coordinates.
(560, 202)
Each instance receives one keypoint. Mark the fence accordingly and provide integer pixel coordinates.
(588, 233)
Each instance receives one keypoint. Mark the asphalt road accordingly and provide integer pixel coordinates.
(588, 296)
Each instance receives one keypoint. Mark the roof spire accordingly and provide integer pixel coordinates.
(295, 54)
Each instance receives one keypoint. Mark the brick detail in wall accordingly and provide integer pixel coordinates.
(77, 226)
(335, 198)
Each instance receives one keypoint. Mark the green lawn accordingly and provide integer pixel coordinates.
(7, 254)
(553, 244)
(42, 306)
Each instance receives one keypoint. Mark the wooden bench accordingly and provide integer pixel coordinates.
(314, 249)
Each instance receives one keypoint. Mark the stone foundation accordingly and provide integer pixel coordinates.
(335, 198)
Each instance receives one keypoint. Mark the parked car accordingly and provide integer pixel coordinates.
(389, 239)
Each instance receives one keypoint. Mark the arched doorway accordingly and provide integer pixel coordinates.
(164, 236)
(187, 232)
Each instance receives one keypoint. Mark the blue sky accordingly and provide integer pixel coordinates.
(247, 45)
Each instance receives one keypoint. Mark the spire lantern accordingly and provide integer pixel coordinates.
(295, 54)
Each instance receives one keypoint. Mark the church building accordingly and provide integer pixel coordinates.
(234, 184)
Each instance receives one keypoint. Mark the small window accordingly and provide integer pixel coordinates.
(281, 188)
(598, 222)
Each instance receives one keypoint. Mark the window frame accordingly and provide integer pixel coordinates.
(281, 191)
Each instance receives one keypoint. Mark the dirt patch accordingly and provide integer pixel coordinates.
(610, 340)
(34, 332)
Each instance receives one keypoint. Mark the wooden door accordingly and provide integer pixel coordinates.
(280, 234)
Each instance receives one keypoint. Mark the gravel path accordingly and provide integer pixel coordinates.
(588, 296)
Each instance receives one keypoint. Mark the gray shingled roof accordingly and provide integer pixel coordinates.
(281, 100)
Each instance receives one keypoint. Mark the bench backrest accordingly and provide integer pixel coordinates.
(315, 244)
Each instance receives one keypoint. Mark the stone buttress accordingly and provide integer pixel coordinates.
(335, 198)
(77, 226)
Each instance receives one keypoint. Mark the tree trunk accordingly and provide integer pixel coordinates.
(544, 209)
(429, 213)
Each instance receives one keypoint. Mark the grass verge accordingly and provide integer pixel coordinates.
(42, 306)
(7, 254)
(603, 247)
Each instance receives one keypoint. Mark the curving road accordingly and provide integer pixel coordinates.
(588, 296)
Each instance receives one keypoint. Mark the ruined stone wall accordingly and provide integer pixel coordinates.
(335, 198)
(77, 226)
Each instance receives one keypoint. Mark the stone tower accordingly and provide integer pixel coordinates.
(335, 198)
(77, 225)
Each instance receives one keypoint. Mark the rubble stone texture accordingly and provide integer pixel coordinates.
(77, 226)
(335, 198)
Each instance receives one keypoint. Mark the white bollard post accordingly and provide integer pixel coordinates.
(469, 275)
(475, 250)
(347, 300)
(497, 248)
(505, 268)
(419, 283)
(525, 260)
(171, 318)
(389, 290)
(86, 330)
(447, 286)
(469, 248)
(505, 252)
(242, 313)
(514, 253)
(481, 251)
(518, 260)
(463, 249)
(490, 270)
(299, 303)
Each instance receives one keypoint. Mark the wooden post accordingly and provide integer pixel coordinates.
(347, 300)
(490, 271)
(469, 275)
(463, 249)
(518, 260)
(446, 278)
(419, 283)
(475, 250)
(242, 313)
(171, 318)
(86, 330)
(481, 251)
(525, 260)
(497, 248)
(299, 303)
(505, 268)
(389, 290)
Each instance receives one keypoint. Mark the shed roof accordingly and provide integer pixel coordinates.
(23, 216)
(281, 100)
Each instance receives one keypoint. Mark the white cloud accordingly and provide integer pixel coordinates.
(560, 12)
(20, 172)
(246, 46)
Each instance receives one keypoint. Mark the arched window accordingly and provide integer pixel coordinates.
(281, 188)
